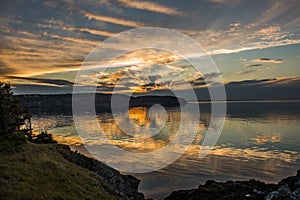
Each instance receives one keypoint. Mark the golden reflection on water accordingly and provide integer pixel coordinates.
(255, 131)
(142, 122)
(139, 115)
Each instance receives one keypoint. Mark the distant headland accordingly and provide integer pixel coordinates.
(102, 101)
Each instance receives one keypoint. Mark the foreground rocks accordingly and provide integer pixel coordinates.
(286, 189)
(124, 186)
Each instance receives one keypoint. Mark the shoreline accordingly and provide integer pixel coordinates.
(286, 189)
(125, 187)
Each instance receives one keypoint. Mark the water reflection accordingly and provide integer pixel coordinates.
(140, 115)
(260, 140)
(144, 123)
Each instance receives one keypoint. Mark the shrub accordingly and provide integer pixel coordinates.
(13, 117)
(43, 138)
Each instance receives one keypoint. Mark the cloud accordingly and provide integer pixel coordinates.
(228, 2)
(4, 69)
(45, 54)
(267, 60)
(40, 89)
(208, 79)
(56, 82)
(210, 76)
(250, 82)
(242, 37)
(149, 6)
(270, 33)
(284, 81)
(280, 9)
(253, 69)
(75, 40)
(91, 31)
(270, 82)
(242, 72)
(154, 78)
(58, 24)
(254, 65)
(112, 20)
(282, 88)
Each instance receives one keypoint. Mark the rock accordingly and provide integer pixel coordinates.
(287, 189)
(125, 186)
(296, 194)
(293, 182)
(251, 189)
(283, 193)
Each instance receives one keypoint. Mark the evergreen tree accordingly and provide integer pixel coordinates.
(13, 117)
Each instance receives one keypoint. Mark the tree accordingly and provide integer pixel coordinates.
(13, 117)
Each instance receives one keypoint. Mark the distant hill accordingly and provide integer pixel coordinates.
(102, 101)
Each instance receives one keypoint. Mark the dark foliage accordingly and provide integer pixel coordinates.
(13, 117)
(42, 138)
(15, 122)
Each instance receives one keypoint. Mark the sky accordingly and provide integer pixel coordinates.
(253, 43)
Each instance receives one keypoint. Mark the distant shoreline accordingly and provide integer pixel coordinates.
(248, 101)
(38, 100)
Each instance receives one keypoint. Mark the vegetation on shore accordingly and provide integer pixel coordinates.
(39, 171)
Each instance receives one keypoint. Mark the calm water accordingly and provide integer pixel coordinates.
(260, 140)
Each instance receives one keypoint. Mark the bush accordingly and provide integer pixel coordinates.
(12, 142)
(43, 138)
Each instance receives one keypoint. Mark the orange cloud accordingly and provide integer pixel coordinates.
(149, 6)
(112, 20)
(267, 60)
(92, 31)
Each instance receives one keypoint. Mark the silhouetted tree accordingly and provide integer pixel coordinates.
(13, 117)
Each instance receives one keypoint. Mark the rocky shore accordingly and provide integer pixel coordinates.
(43, 171)
(124, 186)
(286, 189)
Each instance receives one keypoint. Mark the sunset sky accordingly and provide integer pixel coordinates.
(43, 43)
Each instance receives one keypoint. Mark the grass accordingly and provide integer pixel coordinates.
(12, 142)
(38, 171)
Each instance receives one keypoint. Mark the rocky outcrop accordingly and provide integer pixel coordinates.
(125, 186)
(286, 189)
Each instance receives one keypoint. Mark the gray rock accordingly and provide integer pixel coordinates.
(283, 193)
(125, 186)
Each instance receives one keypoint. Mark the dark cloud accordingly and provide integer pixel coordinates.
(58, 82)
(246, 71)
(262, 59)
(154, 78)
(40, 89)
(212, 75)
(248, 82)
(254, 65)
(267, 60)
(264, 89)
(5, 69)
(206, 79)
(131, 84)
(198, 83)
(68, 65)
